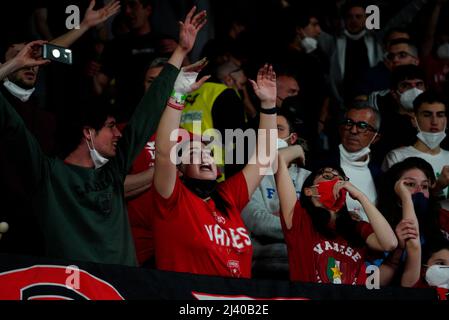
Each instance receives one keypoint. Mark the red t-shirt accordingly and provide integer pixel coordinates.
(140, 208)
(188, 238)
(313, 258)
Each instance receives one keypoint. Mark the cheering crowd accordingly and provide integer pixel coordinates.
(117, 159)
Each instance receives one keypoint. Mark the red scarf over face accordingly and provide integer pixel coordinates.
(326, 191)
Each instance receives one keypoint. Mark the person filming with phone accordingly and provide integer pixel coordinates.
(19, 89)
(79, 200)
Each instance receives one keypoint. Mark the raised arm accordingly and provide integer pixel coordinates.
(265, 153)
(383, 238)
(166, 137)
(284, 184)
(27, 57)
(136, 184)
(91, 19)
(408, 234)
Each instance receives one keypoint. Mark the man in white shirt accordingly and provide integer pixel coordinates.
(358, 131)
(431, 120)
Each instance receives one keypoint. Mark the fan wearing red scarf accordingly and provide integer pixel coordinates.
(325, 244)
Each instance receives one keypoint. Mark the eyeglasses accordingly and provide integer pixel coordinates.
(401, 55)
(330, 174)
(361, 126)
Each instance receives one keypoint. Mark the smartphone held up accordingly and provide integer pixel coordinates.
(56, 53)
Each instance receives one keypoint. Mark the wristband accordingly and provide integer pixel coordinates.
(179, 98)
(273, 110)
(173, 104)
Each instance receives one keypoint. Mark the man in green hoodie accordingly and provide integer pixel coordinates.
(79, 201)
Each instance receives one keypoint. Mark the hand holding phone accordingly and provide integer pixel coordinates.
(56, 53)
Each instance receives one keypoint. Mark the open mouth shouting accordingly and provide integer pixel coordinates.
(206, 167)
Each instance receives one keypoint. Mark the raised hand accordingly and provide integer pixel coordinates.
(265, 87)
(94, 17)
(407, 229)
(402, 191)
(292, 153)
(190, 27)
(348, 186)
(30, 55)
(186, 80)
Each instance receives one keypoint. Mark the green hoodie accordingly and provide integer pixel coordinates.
(82, 211)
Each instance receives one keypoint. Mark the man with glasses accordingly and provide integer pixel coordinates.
(358, 131)
(399, 52)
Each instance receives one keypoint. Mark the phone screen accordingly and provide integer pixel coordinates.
(57, 53)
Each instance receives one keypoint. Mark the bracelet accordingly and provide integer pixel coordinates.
(273, 110)
(179, 98)
(175, 105)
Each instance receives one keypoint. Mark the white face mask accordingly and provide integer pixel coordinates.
(356, 36)
(281, 143)
(96, 157)
(356, 156)
(443, 51)
(408, 97)
(438, 276)
(431, 139)
(309, 44)
(18, 92)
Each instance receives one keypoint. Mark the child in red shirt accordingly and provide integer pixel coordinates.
(325, 245)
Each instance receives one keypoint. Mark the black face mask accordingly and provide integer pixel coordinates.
(421, 205)
(202, 188)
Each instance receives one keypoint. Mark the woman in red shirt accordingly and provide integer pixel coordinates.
(197, 224)
(325, 244)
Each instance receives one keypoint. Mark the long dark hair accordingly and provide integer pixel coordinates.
(390, 204)
(345, 224)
